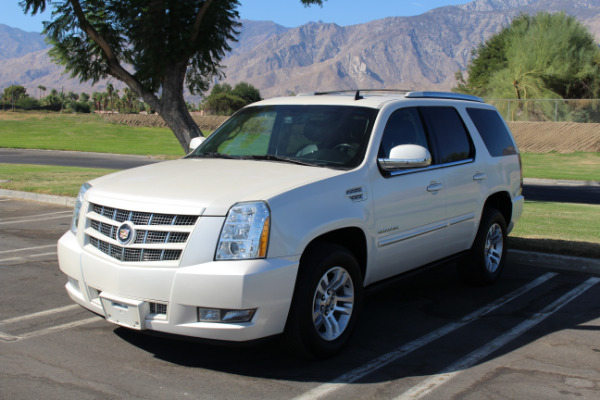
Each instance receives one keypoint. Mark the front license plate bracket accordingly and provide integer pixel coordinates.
(125, 312)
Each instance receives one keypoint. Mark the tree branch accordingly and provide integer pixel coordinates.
(114, 66)
(199, 18)
(91, 31)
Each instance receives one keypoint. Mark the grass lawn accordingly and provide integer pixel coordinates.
(564, 228)
(83, 132)
(47, 179)
(573, 166)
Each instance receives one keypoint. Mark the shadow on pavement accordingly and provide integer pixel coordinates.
(390, 319)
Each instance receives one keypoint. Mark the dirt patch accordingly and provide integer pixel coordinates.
(206, 123)
(561, 137)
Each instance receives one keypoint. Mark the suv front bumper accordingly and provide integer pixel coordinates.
(105, 287)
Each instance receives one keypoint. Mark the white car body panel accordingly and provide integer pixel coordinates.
(192, 186)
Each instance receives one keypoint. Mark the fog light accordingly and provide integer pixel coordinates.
(224, 316)
(208, 315)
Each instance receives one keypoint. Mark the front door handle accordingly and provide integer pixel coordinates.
(479, 177)
(435, 187)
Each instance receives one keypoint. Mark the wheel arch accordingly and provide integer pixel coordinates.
(351, 238)
(501, 201)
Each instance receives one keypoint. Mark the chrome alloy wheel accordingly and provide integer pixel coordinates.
(333, 303)
(494, 244)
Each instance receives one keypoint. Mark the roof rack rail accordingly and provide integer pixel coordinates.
(444, 95)
(363, 90)
(408, 93)
(357, 92)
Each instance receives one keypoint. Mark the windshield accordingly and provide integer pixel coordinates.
(331, 136)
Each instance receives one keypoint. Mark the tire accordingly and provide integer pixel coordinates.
(326, 303)
(485, 261)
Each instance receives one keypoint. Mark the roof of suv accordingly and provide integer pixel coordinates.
(373, 98)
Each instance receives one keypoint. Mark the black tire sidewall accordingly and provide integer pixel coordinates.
(474, 270)
(300, 330)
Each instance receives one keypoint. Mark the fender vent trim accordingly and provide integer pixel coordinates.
(357, 194)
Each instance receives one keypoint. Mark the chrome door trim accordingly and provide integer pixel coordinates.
(413, 233)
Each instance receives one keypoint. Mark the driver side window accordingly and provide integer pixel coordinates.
(403, 127)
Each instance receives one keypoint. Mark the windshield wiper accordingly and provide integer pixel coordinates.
(212, 155)
(271, 157)
(266, 157)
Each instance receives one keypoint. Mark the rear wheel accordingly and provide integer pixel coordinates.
(485, 262)
(326, 302)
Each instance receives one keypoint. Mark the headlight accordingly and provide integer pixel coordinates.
(245, 233)
(77, 209)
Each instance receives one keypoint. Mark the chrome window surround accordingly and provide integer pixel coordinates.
(430, 168)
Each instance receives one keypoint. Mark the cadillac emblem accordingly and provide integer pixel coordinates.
(125, 233)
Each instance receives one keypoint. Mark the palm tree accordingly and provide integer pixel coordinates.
(128, 97)
(109, 91)
(116, 100)
(41, 89)
(97, 97)
(105, 100)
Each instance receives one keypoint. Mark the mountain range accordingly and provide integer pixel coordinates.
(419, 52)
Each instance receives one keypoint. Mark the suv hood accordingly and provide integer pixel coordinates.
(201, 186)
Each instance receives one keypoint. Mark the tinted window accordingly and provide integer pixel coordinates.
(403, 127)
(493, 131)
(452, 141)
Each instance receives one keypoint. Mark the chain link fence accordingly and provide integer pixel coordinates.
(549, 110)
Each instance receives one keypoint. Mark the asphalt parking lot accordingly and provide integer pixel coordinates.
(535, 334)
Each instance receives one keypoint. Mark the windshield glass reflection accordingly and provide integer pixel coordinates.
(331, 136)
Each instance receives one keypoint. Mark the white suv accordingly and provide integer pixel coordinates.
(276, 223)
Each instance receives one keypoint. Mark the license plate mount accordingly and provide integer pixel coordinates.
(125, 312)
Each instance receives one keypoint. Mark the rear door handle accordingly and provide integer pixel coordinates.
(479, 177)
(435, 187)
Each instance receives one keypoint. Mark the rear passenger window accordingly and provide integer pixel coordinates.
(448, 131)
(493, 132)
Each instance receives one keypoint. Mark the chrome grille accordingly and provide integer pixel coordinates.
(169, 230)
(135, 255)
(140, 218)
(153, 237)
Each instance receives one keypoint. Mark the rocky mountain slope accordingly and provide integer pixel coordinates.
(16, 43)
(423, 51)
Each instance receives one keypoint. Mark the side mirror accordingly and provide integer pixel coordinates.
(195, 142)
(406, 156)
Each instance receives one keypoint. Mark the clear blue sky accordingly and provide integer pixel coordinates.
(289, 13)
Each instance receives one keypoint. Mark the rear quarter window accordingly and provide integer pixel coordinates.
(493, 131)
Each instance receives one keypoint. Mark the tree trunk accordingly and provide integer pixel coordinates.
(172, 107)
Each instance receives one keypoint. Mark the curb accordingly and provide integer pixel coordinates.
(41, 198)
(543, 260)
(559, 182)
(91, 153)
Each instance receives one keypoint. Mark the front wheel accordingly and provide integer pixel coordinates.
(326, 302)
(485, 261)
